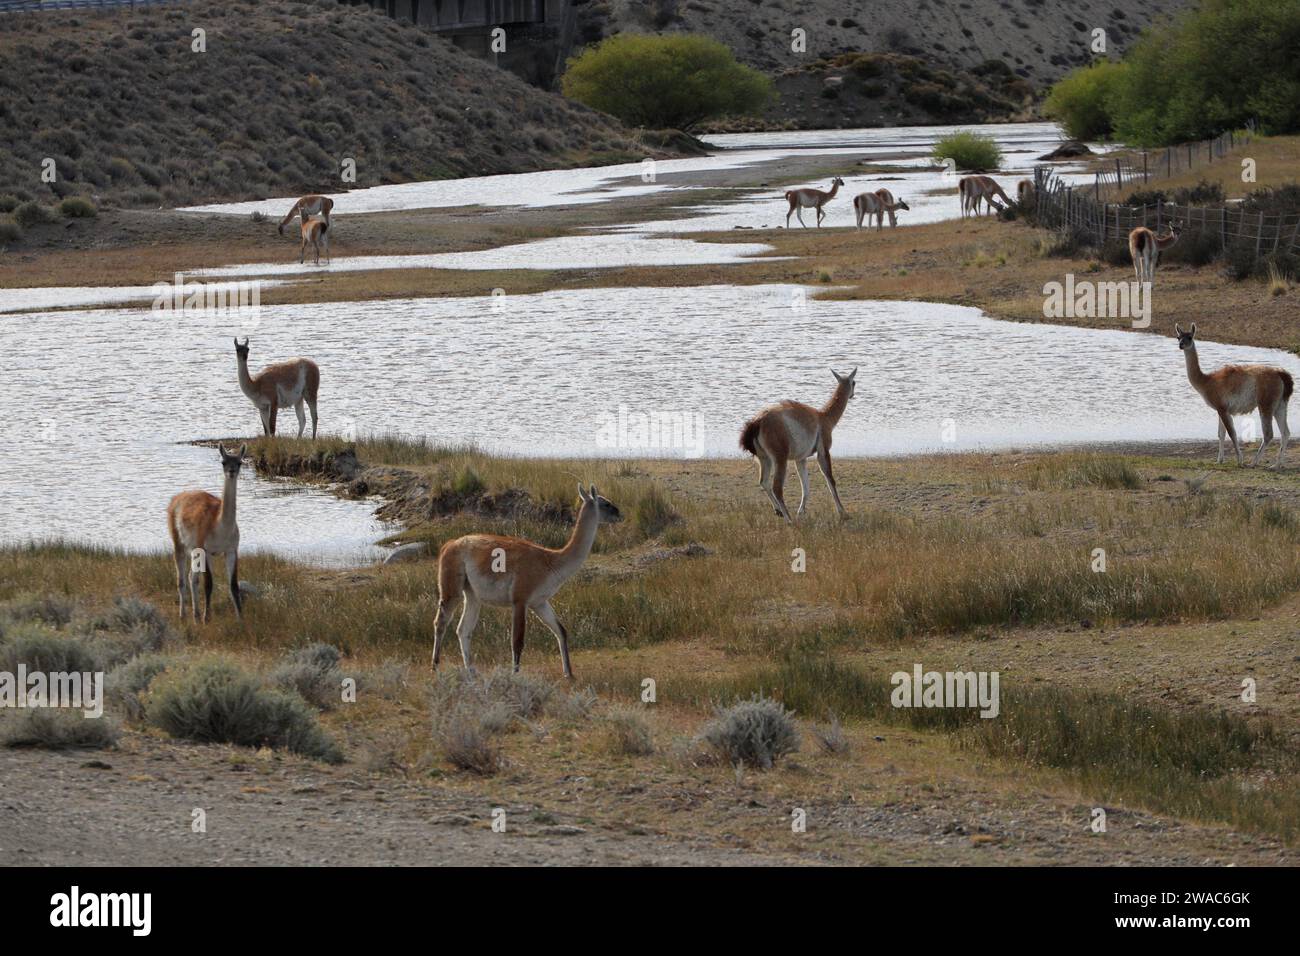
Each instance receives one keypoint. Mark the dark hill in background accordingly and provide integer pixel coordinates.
(283, 94)
(969, 46)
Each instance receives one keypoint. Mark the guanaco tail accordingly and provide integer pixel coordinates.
(801, 199)
(1239, 390)
(201, 526)
(515, 573)
(285, 383)
(793, 431)
(1144, 246)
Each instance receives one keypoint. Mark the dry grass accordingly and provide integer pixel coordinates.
(941, 556)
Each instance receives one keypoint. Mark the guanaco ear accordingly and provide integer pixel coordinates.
(243, 449)
(838, 376)
(1193, 330)
(581, 493)
(594, 493)
(853, 374)
(1178, 329)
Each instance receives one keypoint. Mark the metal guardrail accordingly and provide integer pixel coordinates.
(23, 6)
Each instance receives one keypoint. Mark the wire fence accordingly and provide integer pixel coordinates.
(1082, 209)
(13, 6)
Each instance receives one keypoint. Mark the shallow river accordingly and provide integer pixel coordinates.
(638, 372)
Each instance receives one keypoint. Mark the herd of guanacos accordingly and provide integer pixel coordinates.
(513, 572)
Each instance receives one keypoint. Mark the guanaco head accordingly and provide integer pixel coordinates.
(836, 182)
(1185, 338)
(902, 205)
(1175, 230)
(606, 511)
(241, 351)
(230, 463)
(849, 380)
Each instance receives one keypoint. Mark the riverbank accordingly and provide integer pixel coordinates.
(977, 562)
(1003, 268)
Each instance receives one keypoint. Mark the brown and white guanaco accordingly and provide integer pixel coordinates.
(285, 383)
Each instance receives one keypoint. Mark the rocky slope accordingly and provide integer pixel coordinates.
(280, 96)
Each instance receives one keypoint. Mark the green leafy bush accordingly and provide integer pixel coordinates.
(969, 150)
(658, 82)
(1080, 101)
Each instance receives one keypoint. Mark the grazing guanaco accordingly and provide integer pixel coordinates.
(308, 206)
(1239, 390)
(515, 573)
(1144, 246)
(971, 189)
(315, 231)
(801, 199)
(877, 204)
(201, 526)
(285, 383)
(793, 431)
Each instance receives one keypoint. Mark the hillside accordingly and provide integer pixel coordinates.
(283, 94)
(961, 41)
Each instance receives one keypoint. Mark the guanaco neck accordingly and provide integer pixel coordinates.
(245, 380)
(1194, 373)
(1166, 240)
(580, 542)
(227, 516)
(835, 187)
(832, 410)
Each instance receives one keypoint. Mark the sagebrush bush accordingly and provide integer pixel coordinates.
(75, 207)
(9, 202)
(10, 231)
(755, 733)
(313, 673)
(48, 728)
(34, 214)
(130, 615)
(627, 733)
(128, 684)
(52, 610)
(213, 701)
(41, 649)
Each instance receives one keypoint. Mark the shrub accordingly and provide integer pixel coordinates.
(216, 702)
(49, 609)
(141, 618)
(464, 737)
(128, 684)
(75, 207)
(1080, 100)
(969, 150)
(10, 231)
(312, 673)
(627, 734)
(755, 732)
(665, 82)
(1218, 65)
(51, 729)
(33, 213)
(42, 650)
(1198, 248)
(9, 202)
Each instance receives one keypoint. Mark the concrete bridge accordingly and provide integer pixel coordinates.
(539, 33)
